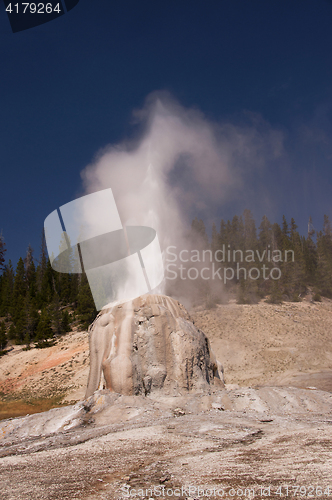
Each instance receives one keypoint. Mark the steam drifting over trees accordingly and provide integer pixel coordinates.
(38, 304)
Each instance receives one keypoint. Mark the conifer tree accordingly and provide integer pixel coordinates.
(265, 233)
(222, 233)
(2, 252)
(215, 242)
(74, 287)
(228, 232)
(31, 319)
(30, 270)
(278, 241)
(56, 315)
(47, 285)
(275, 294)
(285, 230)
(12, 332)
(41, 269)
(17, 305)
(44, 332)
(250, 236)
(6, 290)
(293, 232)
(310, 255)
(324, 254)
(265, 242)
(3, 336)
(20, 323)
(296, 276)
(86, 307)
(236, 235)
(65, 322)
(19, 281)
(247, 292)
(198, 233)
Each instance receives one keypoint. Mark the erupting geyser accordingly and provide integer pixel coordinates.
(150, 345)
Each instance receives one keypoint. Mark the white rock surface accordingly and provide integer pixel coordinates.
(150, 344)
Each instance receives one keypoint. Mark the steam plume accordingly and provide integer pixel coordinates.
(181, 165)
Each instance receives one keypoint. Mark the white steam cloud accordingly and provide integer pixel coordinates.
(181, 166)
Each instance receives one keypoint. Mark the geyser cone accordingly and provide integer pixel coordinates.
(150, 345)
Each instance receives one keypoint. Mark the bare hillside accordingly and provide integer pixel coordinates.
(265, 344)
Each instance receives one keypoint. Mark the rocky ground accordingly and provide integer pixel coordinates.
(238, 443)
(268, 434)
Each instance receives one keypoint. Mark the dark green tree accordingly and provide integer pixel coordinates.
(30, 273)
(65, 321)
(265, 234)
(215, 242)
(275, 296)
(47, 291)
(2, 252)
(296, 284)
(44, 332)
(250, 235)
(222, 233)
(324, 255)
(20, 287)
(310, 255)
(12, 332)
(198, 233)
(6, 290)
(3, 336)
(56, 315)
(236, 234)
(30, 319)
(17, 311)
(85, 305)
(41, 268)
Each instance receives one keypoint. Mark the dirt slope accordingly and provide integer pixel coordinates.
(45, 373)
(265, 344)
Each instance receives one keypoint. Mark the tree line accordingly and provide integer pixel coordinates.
(309, 263)
(38, 304)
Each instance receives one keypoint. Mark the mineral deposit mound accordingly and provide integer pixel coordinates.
(150, 345)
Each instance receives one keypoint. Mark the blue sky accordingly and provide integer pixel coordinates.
(69, 88)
